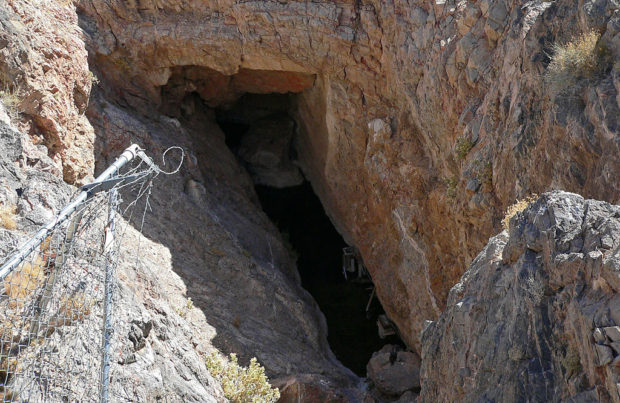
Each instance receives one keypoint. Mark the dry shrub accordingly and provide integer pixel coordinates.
(582, 59)
(242, 384)
(518, 207)
(72, 310)
(11, 98)
(24, 281)
(7, 217)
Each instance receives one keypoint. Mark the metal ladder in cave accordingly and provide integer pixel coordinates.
(352, 263)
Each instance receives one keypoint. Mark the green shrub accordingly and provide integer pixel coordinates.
(580, 60)
(572, 363)
(484, 172)
(183, 310)
(451, 184)
(463, 147)
(242, 384)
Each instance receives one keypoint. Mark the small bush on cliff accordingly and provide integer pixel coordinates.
(241, 384)
(518, 207)
(451, 184)
(7, 217)
(11, 98)
(463, 147)
(582, 59)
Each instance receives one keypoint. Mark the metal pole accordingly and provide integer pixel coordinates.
(108, 248)
(129, 154)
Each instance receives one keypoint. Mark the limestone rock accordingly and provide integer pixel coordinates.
(313, 388)
(612, 332)
(145, 371)
(431, 72)
(604, 355)
(209, 241)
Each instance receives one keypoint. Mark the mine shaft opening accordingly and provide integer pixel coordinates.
(260, 131)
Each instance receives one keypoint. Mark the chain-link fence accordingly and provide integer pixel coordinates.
(55, 311)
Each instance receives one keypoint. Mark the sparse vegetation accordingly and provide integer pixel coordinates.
(580, 60)
(10, 97)
(217, 252)
(572, 363)
(93, 78)
(24, 281)
(189, 305)
(484, 172)
(7, 217)
(73, 309)
(242, 384)
(518, 207)
(463, 147)
(451, 184)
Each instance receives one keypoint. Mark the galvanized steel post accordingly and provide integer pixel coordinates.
(110, 251)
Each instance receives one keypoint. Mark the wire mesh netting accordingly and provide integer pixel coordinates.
(54, 325)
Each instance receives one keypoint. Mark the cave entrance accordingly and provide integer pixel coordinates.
(260, 131)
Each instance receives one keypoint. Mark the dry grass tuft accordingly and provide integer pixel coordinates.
(11, 97)
(583, 58)
(7, 217)
(518, 207)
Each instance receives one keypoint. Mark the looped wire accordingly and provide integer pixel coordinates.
(163, 158)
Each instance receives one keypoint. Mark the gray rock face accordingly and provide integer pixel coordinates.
(208, 240)
(154, 355)
(535, 315)
(417, 204)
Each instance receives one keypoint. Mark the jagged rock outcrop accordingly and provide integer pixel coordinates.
(163, 361)
(419, 122)
(535, 317)
(44, 70)
(212, 238)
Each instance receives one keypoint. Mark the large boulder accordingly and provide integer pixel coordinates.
(535, 316)
(394, 372)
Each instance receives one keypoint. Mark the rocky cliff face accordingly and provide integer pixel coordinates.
(419, 122)
(209, 241)
(45, 77)
(536, 317)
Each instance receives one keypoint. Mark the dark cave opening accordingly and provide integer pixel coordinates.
(290, 202)
(352, 331)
